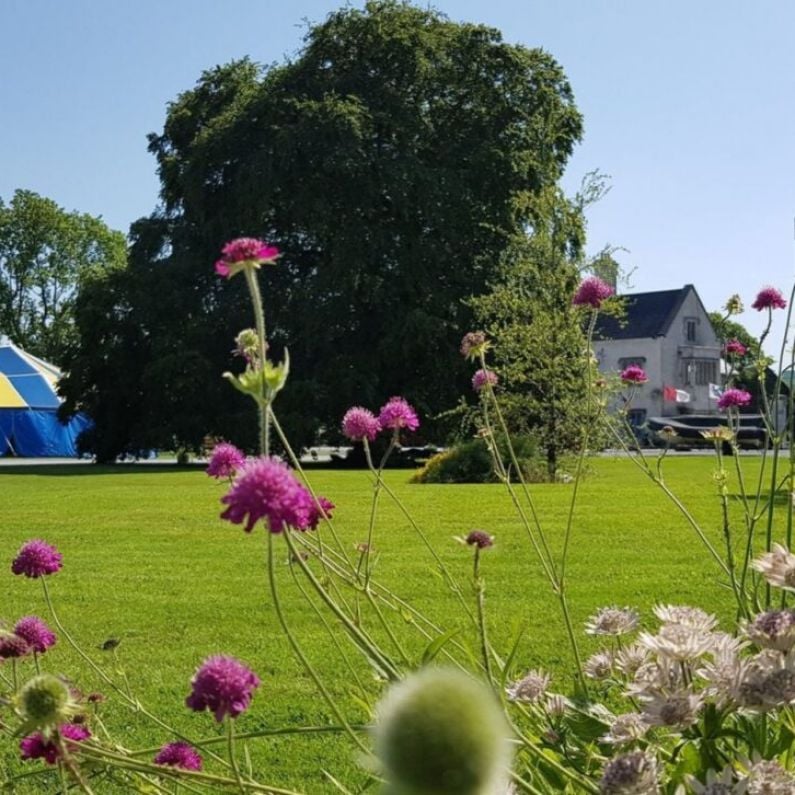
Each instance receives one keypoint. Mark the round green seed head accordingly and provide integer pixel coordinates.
(440, 732)
(45, 702)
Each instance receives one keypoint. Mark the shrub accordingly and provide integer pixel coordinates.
(472, 462)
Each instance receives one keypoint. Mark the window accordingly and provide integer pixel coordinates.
(699, 372)
(690, 329)
(640, 361)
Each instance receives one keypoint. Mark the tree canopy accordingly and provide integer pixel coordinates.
(392, 161)
(46, 254)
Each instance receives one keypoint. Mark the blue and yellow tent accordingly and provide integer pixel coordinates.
(29, 424)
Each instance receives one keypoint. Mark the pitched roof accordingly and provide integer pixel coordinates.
(647, 315)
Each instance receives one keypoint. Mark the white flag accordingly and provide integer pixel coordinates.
(682, 396)
(715, 392)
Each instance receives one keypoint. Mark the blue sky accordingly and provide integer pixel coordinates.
(689, 107)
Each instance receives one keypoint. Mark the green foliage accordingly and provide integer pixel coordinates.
(46, 255)
(390, 161)
(471, 462)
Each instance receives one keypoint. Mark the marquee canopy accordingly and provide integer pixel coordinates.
(29, 425)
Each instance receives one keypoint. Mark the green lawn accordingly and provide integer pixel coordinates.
(147, 560)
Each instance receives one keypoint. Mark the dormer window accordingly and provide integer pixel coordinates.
(690, 329)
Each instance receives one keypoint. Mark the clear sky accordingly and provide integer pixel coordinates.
(689, 107)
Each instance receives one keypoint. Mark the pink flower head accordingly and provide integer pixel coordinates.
(634, 374)
(36, 558)
(480, 539)
(735, 347)
(225, 460)
(266, 488)
(734, 397)
(179, 755)
(224, 686)
(483, 377)
(591, 292)
(359, 424)
(473, 344)
(769, 298)
(243, 251)
(397, 413)
(35, 633)
(34, 746)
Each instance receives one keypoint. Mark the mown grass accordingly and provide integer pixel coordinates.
(147, 561)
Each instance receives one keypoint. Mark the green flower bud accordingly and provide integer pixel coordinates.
(440, 732)
(44, 703)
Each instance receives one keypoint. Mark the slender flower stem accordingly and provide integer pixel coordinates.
(365, 644)
(480, 592)
(300, 653)
(230, 737)
(259, 316)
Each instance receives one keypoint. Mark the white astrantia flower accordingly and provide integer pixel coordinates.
(767, 777)
(660, 676)
(687, 616)
(777, 567)
(676, 710)
(766, 681)
(678, 642)
(599, 665)
(530, 688)
(774, 629)
(556, 705)
(612, 621)
(635, 773)
(631, 658)
(722, 673)
(625, 729)
(716, 784)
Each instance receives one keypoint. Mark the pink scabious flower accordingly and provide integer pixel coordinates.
(769, 298)
(359, 424)
(480, 539)
(36, 558)
(35, 633)
(13, 646)
(225, 460)
(396, 413)
(591, 292)
(34, 746)
(224, 686)
(266, 488)
(634, 374)
(473, 344)
(484, 377)
(735, 347)
(179, 755)
(734, 397)
(244, 251)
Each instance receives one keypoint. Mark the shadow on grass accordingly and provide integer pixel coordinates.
(78, 470)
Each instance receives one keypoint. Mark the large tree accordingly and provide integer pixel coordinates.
(392, 161)
(46, 254)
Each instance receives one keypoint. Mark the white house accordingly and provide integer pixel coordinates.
(669, 334)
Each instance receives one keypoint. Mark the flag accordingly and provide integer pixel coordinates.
(715, 392)
(674, 395)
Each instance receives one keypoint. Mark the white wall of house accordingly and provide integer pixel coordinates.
(686, 358)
